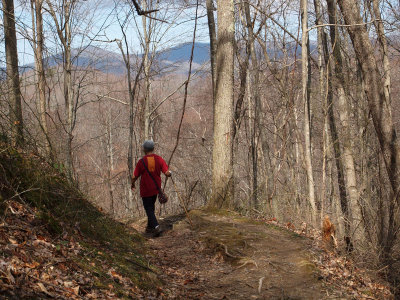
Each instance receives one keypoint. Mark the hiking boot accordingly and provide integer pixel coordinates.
(149, 230)
(157, 231)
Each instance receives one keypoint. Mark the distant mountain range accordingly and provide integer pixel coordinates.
(174, 59)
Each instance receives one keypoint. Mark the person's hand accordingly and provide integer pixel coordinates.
(168, 173)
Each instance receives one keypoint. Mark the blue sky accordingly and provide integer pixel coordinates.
(97, 22)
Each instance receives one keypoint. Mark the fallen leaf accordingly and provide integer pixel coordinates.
(13, 241)
(76, 290)
(10, 277)
(33, 265)
(68, 283)
(43, 289)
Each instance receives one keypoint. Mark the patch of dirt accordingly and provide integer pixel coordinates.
(229, 257)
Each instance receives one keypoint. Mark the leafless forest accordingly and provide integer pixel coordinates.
(293, 115)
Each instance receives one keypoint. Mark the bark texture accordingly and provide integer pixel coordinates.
(306, 101)
(355, 215)
(222, 165)
(15, 105)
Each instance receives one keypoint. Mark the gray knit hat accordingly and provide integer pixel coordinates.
(148, 145)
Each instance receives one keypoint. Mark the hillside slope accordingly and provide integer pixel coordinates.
(54, 243)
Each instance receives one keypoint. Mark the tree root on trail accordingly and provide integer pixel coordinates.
(227, 253)
(246, 262)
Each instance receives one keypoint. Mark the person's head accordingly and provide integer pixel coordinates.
(148, 146)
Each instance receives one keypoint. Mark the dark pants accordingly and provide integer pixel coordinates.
(149, 206)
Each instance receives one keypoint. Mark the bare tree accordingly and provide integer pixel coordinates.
(63, 27)
(15, 106)
(306, 100)
(222, 165)
(355, 214)
(38, 49)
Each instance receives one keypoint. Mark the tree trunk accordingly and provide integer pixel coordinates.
(254, 92)
(13, 83)
(336, 143)
(355, 214)
(222, 166)
(38, 46)
(213, 43)
(322, 69)
(147, 66)
(384, 49)
(306, 101)
(110, 161)
(68, 96)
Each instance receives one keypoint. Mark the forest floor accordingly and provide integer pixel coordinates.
(224, 256)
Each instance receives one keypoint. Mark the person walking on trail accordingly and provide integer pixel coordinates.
(149, 168)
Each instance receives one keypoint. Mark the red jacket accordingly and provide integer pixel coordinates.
(156, 164)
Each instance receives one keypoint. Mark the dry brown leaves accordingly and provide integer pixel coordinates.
(33, 264)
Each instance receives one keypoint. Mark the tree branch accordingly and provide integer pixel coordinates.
(140, 11)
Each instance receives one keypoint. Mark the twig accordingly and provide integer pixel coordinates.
(112, 98)
(260, 282)
(140, 265)
(342, 25)
(57, 287)
(183, 203)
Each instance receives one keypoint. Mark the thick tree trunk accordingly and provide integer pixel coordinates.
(13, 83)
(306, 101)
(222, 166)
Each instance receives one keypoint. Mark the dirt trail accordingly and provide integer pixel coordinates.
(229, 257)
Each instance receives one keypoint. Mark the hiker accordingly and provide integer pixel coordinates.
(149, 168)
